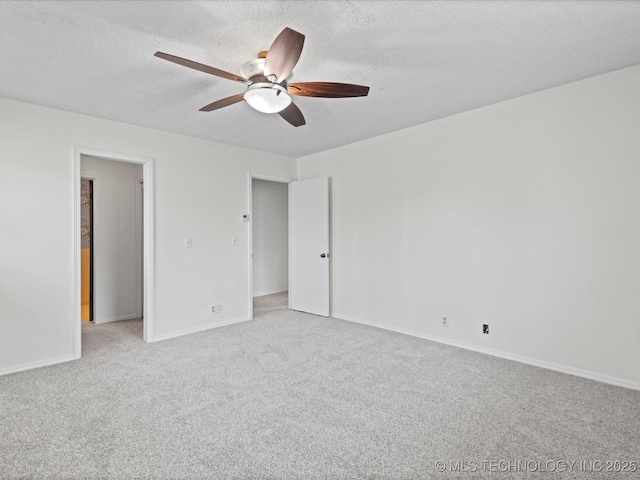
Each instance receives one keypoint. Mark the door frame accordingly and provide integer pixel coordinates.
(148, 257)
(140, 248)
(270, 178)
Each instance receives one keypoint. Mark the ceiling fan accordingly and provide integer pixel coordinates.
(267, 79)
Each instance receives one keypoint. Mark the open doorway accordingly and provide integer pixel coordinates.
(86, 232)
(121, 240)
(114, 253)
(269, 243)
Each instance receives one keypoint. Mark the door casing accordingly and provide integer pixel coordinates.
(148, 258)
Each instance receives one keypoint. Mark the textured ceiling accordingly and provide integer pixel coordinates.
(423, 60)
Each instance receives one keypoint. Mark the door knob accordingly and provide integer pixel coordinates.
(324, 255)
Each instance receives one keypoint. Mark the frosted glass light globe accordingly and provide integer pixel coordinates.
(267, 97)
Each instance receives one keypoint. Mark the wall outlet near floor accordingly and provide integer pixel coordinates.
(485, 328)
(445, 321)
(217, 308)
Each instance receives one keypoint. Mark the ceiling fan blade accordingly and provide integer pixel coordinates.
(327, 89)
(201, 67)
(293, 115)
(283, 54)
(225, 102)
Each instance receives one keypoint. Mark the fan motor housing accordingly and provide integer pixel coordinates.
(254, 70)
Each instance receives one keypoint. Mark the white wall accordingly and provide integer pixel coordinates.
(522, 215)
(270, 227)
(200, 192)
(115, 252)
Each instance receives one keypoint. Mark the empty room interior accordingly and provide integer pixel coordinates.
(319, 240)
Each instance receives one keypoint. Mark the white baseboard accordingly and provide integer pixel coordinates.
(599, 377)
(38, 364)
(201, 328)
(116, 319)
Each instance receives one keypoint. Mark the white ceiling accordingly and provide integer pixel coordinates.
(423, 60)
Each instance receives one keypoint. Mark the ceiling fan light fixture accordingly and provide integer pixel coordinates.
(267, 97)
(268, 77)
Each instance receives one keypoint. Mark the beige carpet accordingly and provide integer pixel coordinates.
(295, 396)
(268, 303)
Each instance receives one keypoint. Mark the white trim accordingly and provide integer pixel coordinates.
(116, 319)
(38, 364)
(578, 372)
(201, 328)
(148, 280)
(290, 285)
(77, 256)
(139, 247)
(149, 267)
(270, 178)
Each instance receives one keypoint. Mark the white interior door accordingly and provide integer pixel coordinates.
(309, 245)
